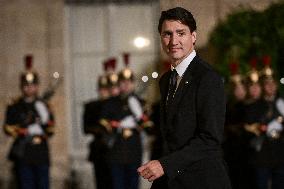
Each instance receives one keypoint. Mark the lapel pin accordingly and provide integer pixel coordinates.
(186, 82)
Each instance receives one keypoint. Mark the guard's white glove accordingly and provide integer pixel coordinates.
(280, 106)
(273, 128)
(135, 107)
(128, 122)
(35, 129)
(42, 111)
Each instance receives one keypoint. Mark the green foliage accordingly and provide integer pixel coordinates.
(248, 33)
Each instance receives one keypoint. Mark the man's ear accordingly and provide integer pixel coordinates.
(193, 35)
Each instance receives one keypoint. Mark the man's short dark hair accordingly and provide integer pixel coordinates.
(178, 14)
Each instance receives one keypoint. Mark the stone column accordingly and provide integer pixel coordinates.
(34, 27)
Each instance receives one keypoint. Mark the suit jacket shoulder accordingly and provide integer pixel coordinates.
(163, 82)
(201, 69)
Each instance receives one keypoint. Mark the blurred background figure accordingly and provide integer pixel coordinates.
(30, 122)
(107, 86)
(235, 143)
(125, 115)
(263, 123)
(253, 106)
(268, 160)
(253, 117)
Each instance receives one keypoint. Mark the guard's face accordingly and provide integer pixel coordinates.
(30, 90)
(177, 40)
(114, 91)
(254, 91)
(126, 86)
(104, 93)
(239, 92)
(270, 87)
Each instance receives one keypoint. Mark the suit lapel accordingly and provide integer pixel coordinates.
(165, 86)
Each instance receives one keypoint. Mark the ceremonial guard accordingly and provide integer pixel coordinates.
(30, 122)
(235, 142)
(268, 158)
(125, 115)
(254, 107)
(107, 87)
(253, 118)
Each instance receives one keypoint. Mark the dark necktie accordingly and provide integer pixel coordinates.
(173, 86)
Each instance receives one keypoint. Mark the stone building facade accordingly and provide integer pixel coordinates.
(38, 27)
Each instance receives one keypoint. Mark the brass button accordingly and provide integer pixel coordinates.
(37, 140)
(126, 133)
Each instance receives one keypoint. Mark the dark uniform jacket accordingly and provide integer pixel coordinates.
(235, 142)
(192, 129)
(123, 150)
(236, 146)
(91, 118)
(26, 148)
(271, 153)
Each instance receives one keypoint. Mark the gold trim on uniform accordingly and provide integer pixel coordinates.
(126, 133)
(11, 129)
(37, 140)
(147, 124)
(30, 77)
(254, 77)
(113, 78)
(13, 100)
(127, 73)
(253, 128)
(106, 124)
(50, 129)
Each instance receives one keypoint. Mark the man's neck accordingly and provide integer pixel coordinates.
(269, 98)
(183, 65)
(175, 62)
(29, 99)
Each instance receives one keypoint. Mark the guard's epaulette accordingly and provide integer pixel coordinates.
(13, 100)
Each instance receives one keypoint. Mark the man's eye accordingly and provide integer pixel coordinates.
(166, 34)
(181, 34)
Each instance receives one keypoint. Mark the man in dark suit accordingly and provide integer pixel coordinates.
(192, 113)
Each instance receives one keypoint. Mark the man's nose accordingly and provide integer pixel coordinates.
(174, 39)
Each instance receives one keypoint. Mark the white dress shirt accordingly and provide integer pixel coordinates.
(181, 67)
